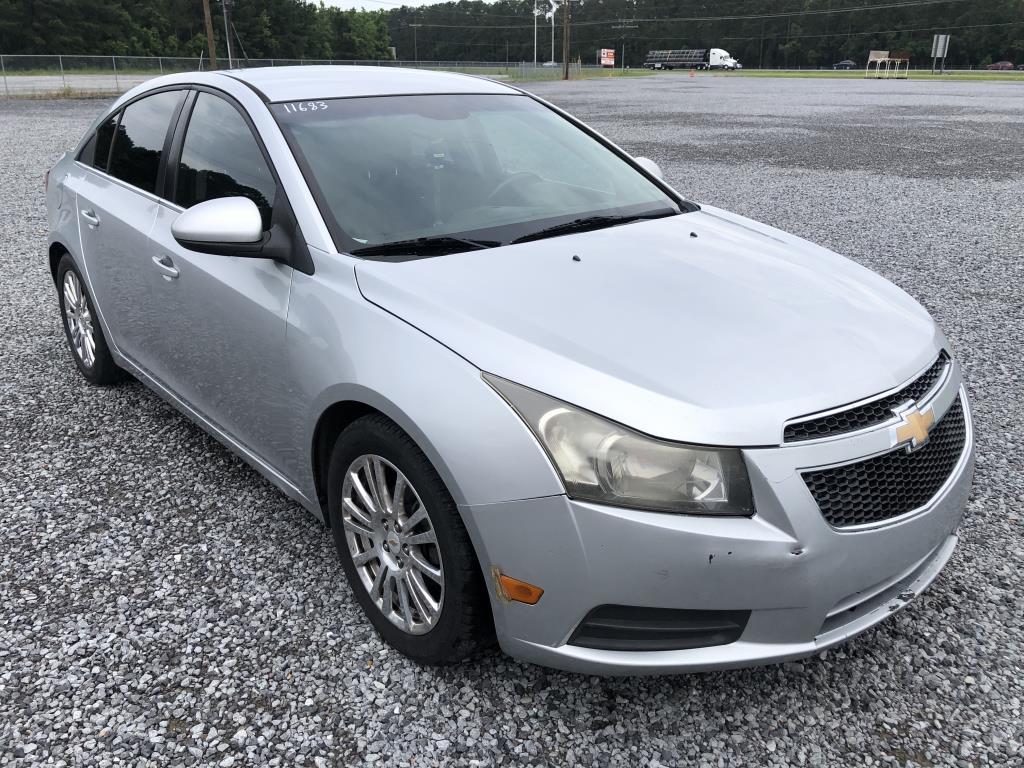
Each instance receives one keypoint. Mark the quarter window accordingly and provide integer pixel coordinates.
(139, 141)
(96, 151)
(220, 158)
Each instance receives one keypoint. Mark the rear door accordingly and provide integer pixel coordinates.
(223, 317)
(117, 207)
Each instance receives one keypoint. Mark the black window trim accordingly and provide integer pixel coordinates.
(119, 113)
(282, 213)
(171, 123)
(110, 148)
(171, 182)
(173, 142)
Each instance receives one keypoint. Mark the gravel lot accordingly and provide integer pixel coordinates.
(162, 604)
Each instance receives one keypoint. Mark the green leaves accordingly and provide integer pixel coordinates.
(277, 29)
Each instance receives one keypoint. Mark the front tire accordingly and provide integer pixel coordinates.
(402, 544)
(82, 329)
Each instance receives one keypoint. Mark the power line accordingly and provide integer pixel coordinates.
(590, 40)
(882, 31)
(829, 34)
(790, 14)
(746, 17)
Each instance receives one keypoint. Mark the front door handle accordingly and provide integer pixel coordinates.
(90, 217)
(166, 266)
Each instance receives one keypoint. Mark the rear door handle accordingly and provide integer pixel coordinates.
(166, 266)
(90, 217)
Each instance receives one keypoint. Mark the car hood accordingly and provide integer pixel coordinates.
(705, 327)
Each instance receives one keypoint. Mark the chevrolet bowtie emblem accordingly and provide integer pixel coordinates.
(914, 427)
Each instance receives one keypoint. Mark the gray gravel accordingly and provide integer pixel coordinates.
(163, 605)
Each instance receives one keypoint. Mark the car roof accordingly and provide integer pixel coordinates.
(342, 81)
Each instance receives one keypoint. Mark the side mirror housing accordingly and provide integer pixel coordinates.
(650, 166)
(226, 226)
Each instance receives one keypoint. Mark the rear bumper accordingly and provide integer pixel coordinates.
(807, 586)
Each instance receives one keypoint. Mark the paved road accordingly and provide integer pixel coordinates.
(85, 85)
(161, 600)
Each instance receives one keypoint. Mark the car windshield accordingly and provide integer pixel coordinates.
(455, 172)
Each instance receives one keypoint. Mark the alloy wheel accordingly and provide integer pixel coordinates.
(79, 320)
(393, 544)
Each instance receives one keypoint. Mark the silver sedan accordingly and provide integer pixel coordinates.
(534, 391)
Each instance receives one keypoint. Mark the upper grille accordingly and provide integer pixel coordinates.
(868, 414)
(893, 484)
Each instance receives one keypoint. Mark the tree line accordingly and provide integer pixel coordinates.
(767, 33)
(283, 29)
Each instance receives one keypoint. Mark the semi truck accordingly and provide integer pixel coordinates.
(691, 58)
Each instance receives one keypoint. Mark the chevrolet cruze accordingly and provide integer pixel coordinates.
(533, 390)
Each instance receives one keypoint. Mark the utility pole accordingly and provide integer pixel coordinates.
(566, 26)
(211, 44)
(551, 13)
(415, 41)
(554, 10)
(226, 4)
(534, 34)
(760, 50)
(622, 38)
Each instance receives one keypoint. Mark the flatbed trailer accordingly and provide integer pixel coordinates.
(690, 58)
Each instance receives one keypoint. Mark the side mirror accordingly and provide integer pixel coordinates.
(650, 166)
(227, 226)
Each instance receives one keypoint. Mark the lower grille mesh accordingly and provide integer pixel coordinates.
(893, 484)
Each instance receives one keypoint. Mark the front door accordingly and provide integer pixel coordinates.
(224, 316)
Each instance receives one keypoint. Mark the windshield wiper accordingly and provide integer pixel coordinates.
(588, 223)
(422, 246)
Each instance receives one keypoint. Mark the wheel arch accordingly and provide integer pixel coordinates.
(56, 250)
(329, 426)
(338, 415)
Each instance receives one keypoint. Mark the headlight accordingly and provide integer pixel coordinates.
(605, 462)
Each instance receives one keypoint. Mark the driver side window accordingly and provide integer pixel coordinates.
(220, 158)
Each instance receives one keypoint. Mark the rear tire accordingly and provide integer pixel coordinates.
(409, 541)
(82, 329)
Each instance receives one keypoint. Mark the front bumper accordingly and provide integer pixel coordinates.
(808, 586)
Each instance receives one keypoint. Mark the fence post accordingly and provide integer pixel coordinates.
(161, 60)
(63, 82)
(117, 85)
(3, 68)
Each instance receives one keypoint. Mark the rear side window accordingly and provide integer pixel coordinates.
(139, 141)
(220, 158)
(96, 151)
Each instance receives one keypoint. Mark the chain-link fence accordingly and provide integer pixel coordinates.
(40, 75)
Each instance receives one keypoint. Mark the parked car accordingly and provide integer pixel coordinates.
(531, 388)
(1020, 67)
(845, 64)
(1001, 66)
